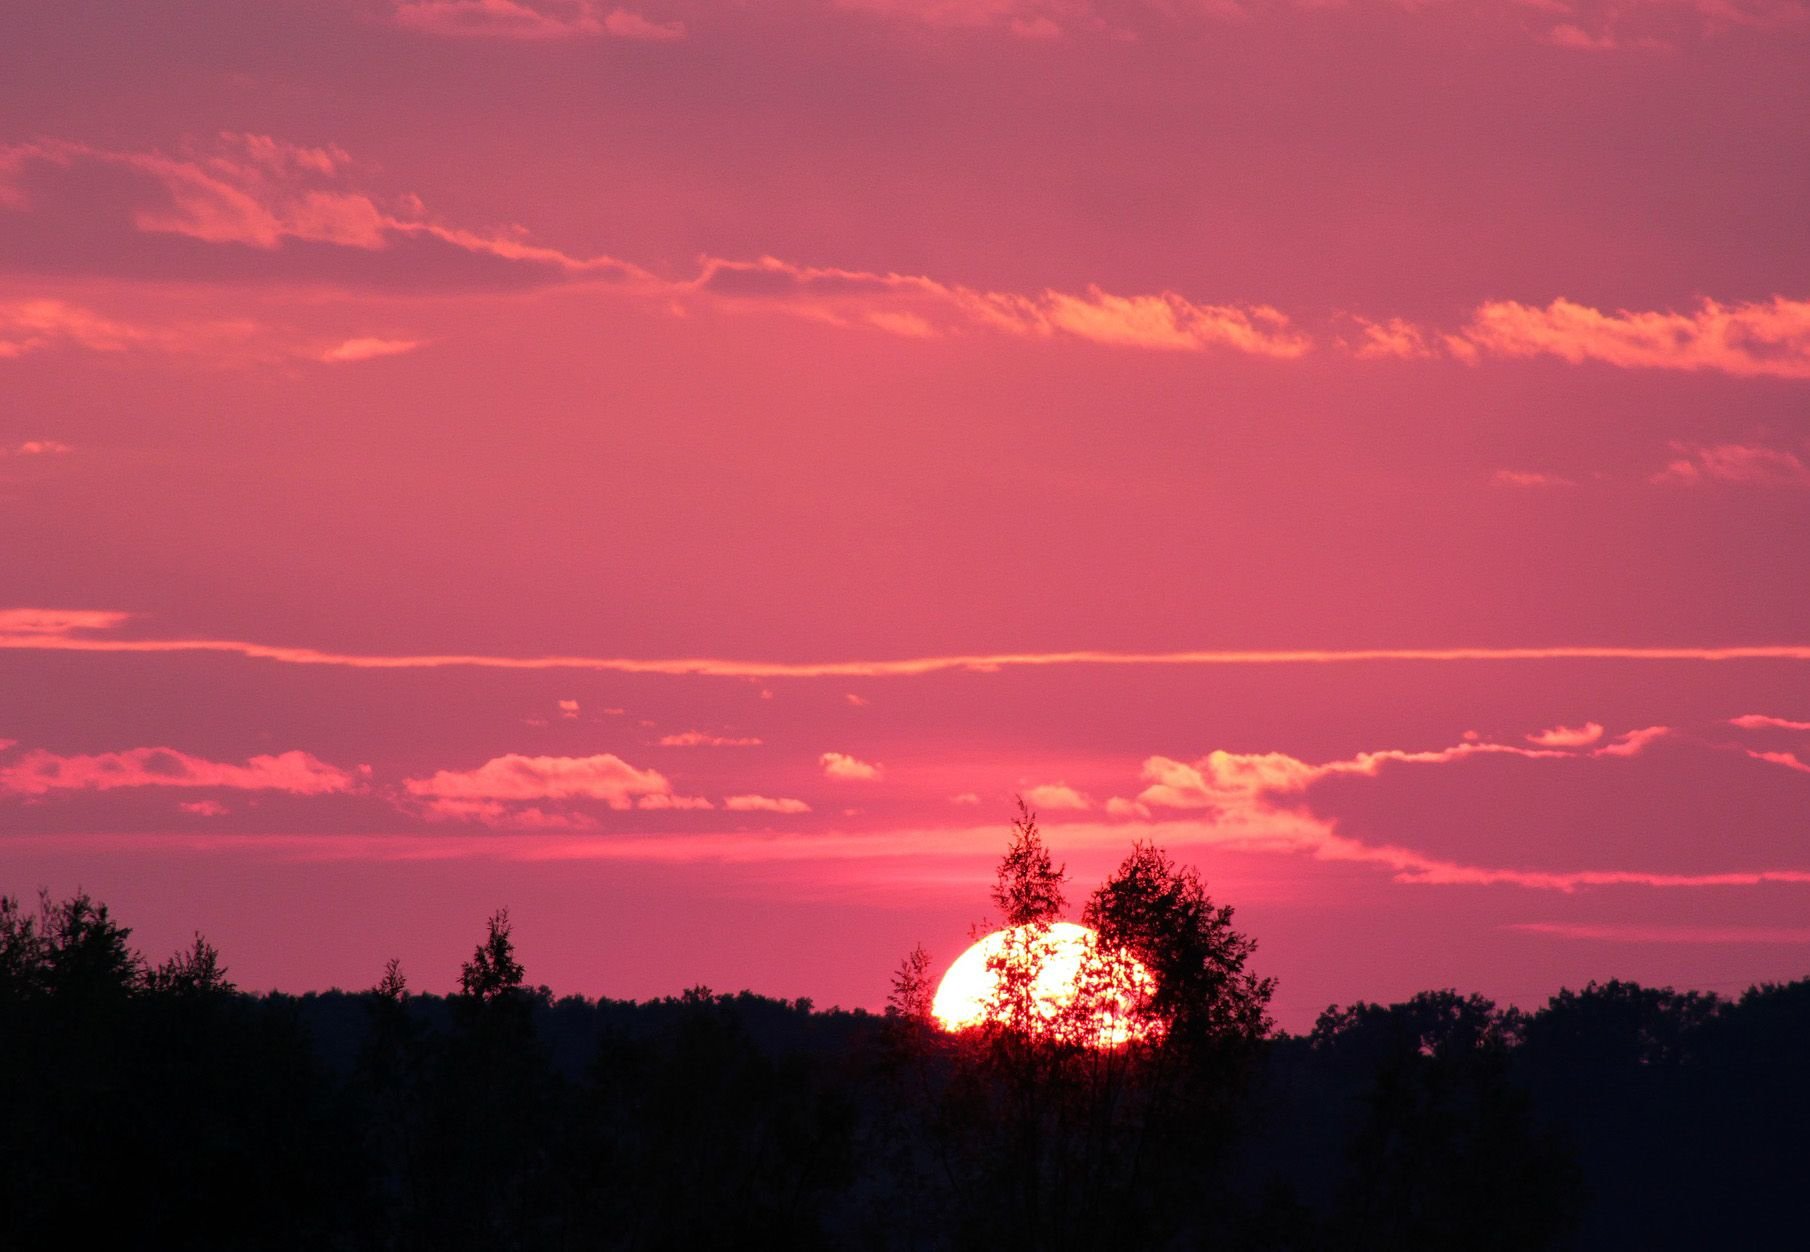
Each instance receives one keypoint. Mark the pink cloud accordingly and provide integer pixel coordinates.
(500, 19)
(1530, 478)
(1761, 721)
(845, 768)
(1228, 780)
(1394, 339)
(39, 772)
(1161, 321)
(268, 208)
(39, 447)
(1616, 932)
(627, 25)
(604, 777)
(699, 739)
(1789, 760)
(498, 814)
(1058, 796)
(1766, 339)
(368, 349)
(204, 808)
(65, 631)
(1734, 463)
(1568, 736)
(764, 804)
(568, 709)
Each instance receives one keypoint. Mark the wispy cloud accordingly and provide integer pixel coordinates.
(1568, 736)
(39, 772)
(84, 631)
(529, 20)
(700, 739)
(764, 804)
(1763, 721)
(1742, 464)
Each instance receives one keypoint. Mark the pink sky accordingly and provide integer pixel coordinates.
(679, 469)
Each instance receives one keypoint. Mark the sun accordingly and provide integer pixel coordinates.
(1064, 957)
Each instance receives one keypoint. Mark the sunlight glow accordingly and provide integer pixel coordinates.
(1067, 964)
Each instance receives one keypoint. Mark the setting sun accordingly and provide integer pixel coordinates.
(1065, 959)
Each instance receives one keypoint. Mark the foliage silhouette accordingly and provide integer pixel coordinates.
(159, 1107)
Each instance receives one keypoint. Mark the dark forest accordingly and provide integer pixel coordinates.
(157, 1105)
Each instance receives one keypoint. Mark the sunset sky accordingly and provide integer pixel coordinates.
(679, 470)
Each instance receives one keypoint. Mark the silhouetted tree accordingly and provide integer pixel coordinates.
(195, 971)
(492, 972)
(85, 950)
(913, 987)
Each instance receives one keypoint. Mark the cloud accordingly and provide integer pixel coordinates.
(1769, 339)
(1164, 321)
(500, 19)
(1743, 464)
(1229, 780)
(568, 709)
(846, 768)
(1530, 478)
(204, 808)
(966, 797)
(528, 20)
(1056, 796)
(1789, 760)
(368, 349)
(624, 24)
(1568, 736)
(1616, 932)
(764, 804)
(62, 630)
(38, 447)
(498, 814)
(1394, 339)
(39, 772)
(42, 324)
(604, 777)
(699, 739)
(244, 207)
(1761, 721)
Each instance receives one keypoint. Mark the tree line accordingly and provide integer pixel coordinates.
(156, 1105)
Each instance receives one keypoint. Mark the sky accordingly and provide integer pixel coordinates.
(679, 470)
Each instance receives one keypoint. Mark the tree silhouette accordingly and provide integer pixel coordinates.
(86, 954)
(1162, 915)
(913, 987)
(492, 972)
(195, 971)
(1028, 885)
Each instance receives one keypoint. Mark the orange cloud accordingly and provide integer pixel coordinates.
(1568, 736)
(39, 772)
(841, 766)
(1527, 478)
(604, 777)
(1230, 780)
(698, 739)
(368, 349)
(1765, 339)
(919, 307)
(1056, 796)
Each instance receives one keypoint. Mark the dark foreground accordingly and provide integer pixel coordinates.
(160, 1108)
